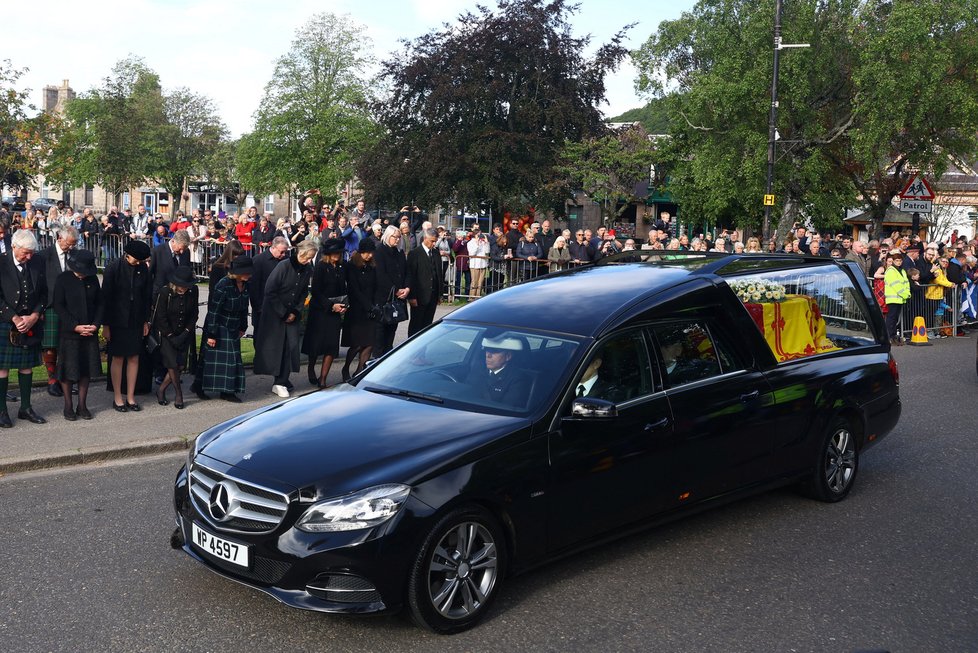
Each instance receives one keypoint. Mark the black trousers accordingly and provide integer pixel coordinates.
(421, 316)
(893, 323)
(385, 339)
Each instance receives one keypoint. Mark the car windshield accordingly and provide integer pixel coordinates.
(478, 367)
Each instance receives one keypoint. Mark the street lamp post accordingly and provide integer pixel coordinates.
(772, 132)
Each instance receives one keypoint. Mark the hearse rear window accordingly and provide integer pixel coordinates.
(804, 312)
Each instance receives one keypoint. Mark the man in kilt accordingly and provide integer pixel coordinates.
(23, 295)
(55, 260)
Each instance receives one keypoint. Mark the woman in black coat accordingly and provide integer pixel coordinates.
(277, 354)
(322, 337)
(391, 275)
(78, 302)
(127, 287)
(175, 323)
(359, 330)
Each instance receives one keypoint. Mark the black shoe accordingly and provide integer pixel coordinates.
(54, 390)
(70, 415)
(74, 389)
(346, 373)
(12, 397)
(30, 416)
(84, 413)
(178, 405)
(161, 398)
(5, 422)
(121, 409)
(133, 407)
(230, 396)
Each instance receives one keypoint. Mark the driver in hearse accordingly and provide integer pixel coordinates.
(503, 381)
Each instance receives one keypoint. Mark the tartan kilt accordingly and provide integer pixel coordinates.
(223, 368)
(51, 337)
(17, 358)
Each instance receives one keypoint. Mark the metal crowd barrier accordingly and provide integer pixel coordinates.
(460, 283)
(943, 317)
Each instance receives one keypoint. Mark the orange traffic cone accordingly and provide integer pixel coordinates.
(918, 335)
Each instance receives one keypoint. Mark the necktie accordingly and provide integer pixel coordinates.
(580, 390)
(176, 261)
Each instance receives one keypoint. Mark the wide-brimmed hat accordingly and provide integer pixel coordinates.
(367, 245)
(183, 276)
(137, 249)
(242, 264)
(334, 246)
(82, 262)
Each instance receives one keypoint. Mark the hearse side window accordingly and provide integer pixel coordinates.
(618, 370)
(805, 312)
(687, 353)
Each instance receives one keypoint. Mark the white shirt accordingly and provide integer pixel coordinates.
(587, 385)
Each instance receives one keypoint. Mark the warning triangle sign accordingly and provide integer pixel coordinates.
(917, 189)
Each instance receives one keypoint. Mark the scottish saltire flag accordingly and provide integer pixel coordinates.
(969, 301)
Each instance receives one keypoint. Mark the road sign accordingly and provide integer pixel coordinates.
(917, 189)
(916, 206)
(769, 200)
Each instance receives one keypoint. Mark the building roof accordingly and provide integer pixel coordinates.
(894, 217)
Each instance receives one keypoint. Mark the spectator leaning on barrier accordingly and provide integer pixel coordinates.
(860, 257)
(897, 292)
(559, 254)
(478, 248)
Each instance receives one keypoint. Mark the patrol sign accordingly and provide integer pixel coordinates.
(917, 196)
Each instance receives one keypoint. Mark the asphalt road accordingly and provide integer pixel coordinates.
(86, 563)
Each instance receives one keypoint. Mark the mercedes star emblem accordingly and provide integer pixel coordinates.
(220, 501)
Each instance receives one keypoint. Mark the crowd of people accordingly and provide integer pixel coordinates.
(334, 278)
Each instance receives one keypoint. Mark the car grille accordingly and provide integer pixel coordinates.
(343, 588)
(263, 570)
(254, 510)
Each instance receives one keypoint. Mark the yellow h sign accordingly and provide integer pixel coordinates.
(769, 200)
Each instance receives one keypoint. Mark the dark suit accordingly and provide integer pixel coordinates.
(264, 264)
(510, 386)
(424, 278)
(52, 268)
(607, 390)
(161, 264)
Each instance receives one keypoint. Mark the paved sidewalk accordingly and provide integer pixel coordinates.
(112, 435)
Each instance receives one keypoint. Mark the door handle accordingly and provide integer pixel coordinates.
(655, 426)
(750, 396)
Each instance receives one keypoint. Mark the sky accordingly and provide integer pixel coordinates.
(226, 49)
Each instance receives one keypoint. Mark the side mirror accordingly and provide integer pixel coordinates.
(590, 408)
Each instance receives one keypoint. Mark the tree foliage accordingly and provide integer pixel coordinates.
(612, 170)
(313, 120)
(654, 117)
(23, 132)
(113, 136)
(886, 87)
(189, 137)
(480, 109)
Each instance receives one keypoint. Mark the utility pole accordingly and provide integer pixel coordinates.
(772, 127)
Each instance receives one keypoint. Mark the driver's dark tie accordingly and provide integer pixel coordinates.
(580, 390)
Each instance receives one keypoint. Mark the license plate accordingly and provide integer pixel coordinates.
(233, 552)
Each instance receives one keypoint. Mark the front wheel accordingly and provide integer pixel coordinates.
(457, 572)
(835, 469)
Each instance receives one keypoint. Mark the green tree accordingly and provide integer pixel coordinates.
(612, 169)
(114, 135)
(654, 117)
(887, 86)
(313, 120)
(23, 136)
(481, 109)
(188, 138)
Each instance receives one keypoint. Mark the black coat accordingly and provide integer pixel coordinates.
(285, 294)
(71, 304)
(52, 268)
(391, 272)
(322, 334)
(424, 275)
(361, 287)
(264, 264)
(128, 294)
(161, 264)
(10, 290)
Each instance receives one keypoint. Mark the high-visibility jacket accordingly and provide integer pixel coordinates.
(936, 291)
(896, 286)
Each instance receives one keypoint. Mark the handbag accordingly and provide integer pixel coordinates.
(151, 343)
(394, 311)
(31, 338)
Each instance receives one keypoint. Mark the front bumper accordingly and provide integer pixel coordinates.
(352, 572)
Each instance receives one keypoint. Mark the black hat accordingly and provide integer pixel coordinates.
(137, 249)
(183, 276)
(82, 261)
(242, 264)
(334, 246)
(919, 247)
(367, 245)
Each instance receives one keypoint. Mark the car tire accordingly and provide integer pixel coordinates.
(458, 571)
(836, 465)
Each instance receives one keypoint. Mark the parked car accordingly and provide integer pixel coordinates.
(44, 204)
(15, 203)
(540, 419)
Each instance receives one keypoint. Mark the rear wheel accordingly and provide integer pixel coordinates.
(457, 572)
(834, 471)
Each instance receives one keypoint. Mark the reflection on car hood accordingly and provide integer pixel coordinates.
(347, 440)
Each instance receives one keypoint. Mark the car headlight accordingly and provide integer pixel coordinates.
(362, 509)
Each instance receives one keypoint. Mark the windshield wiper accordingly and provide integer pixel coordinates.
(406, 393)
